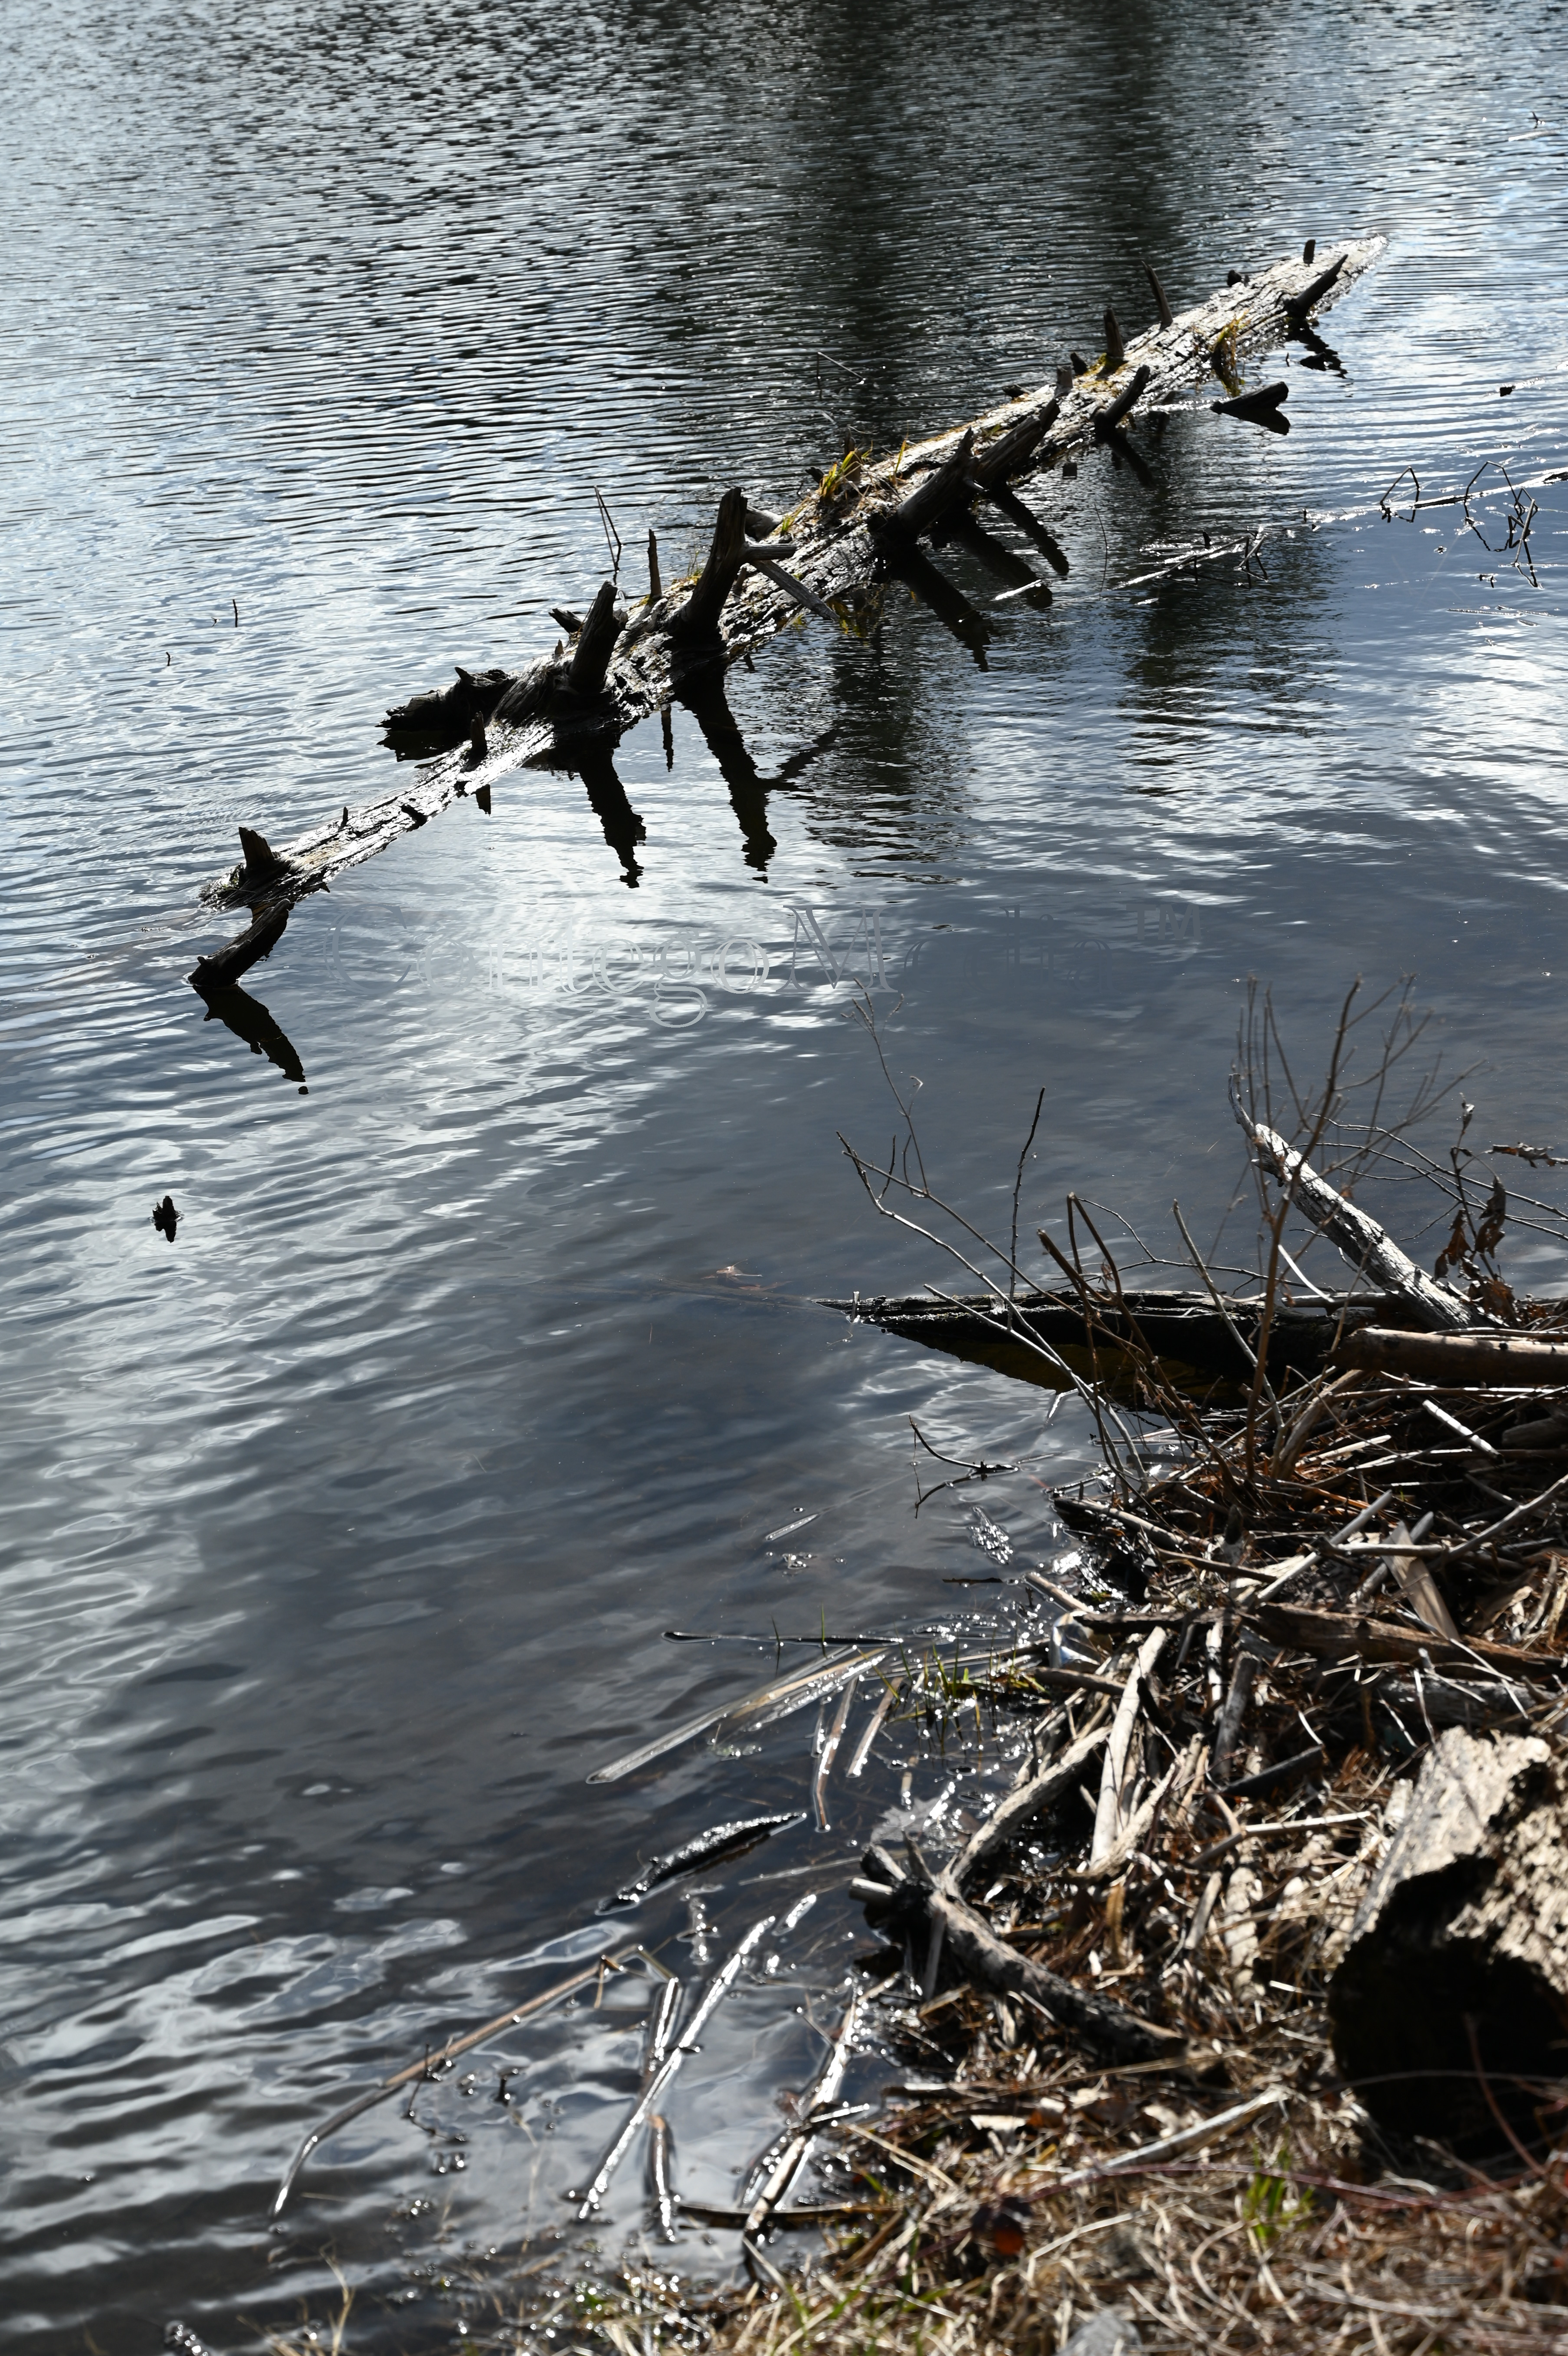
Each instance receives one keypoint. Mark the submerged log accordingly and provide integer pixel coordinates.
(841, 534)
(259, 939)
(1450, 2007)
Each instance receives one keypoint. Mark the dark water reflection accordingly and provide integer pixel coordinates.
(341, 1534)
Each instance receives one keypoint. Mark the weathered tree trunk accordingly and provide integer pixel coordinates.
(1450, 2007)
(842, 536)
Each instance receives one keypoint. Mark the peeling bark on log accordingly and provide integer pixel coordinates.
(840, 541)
(1451, 2002)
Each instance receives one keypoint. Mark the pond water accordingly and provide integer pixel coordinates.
(341, 1536)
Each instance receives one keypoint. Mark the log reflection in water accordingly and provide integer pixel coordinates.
(623, 827)
(251, 1021)
(948, 604)
(706, 701)
(1001, 561)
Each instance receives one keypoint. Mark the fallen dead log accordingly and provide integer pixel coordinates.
(1450, 2006)
(840, 535)
(1465, 1361)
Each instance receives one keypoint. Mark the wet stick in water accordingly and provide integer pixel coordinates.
(830, 1752)
(660, 2167)
(662, 2015)
(777, 1699)
(726, 1840)
(429, 2062)
(713, 1995)
(873, 1728)
(788, 2165)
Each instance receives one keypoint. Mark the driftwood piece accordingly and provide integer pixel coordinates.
(1449, 2008)
(928, 1916)
(839, 549)
(1022, 1806)
(1111, 1813)
(1158, 292)
(1511, 1361)
(1369, 1248)
(1336, 1635)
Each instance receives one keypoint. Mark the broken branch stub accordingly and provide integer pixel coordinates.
(921, 508)
(1260, 408)
(1158, 292)
(1013, 448)
(1298, 305)
(262, 862)
(1112, 415)
(596, 643)
(699, 617)
(1449, 2006)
